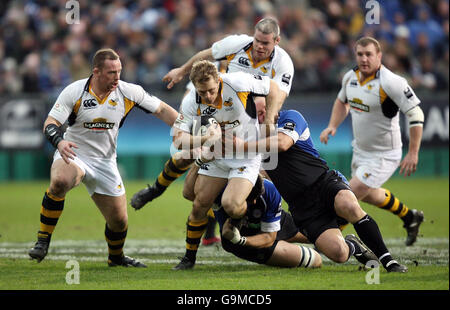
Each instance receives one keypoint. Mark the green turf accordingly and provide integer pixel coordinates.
(156, 235)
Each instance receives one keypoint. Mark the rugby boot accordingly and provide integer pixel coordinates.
(184, 264)
(40, 249)
(412, 228)
(394, 266)
(145, 195)
(210, 241)
(125, 261)
(362, 253)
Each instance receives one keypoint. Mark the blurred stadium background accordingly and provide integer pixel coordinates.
(41, 53)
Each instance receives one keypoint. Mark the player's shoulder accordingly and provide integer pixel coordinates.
(349, 74)
(270, 190)
(282, 55)
(128, 89)
(388, 79)
(237, 41)
(291, 120)
(291, 115)
(75, 89)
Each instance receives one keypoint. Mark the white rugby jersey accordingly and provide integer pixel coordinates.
(236, 49)
(236, 110)
(374, 105)
(93, 123)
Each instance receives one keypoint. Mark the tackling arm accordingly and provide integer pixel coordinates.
(274, 101)
(262, 240)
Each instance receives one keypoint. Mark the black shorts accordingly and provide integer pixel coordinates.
(261, 255)
(313, 210)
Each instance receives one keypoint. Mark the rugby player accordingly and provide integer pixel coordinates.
(228, 98)
(95, 109)
(374, 95)
(318, 196)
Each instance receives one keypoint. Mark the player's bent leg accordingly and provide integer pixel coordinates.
(114, 210)
(63, 177)
(346, 206)
(332, 244)
(290, 255)
(234, 197)
(360, 189)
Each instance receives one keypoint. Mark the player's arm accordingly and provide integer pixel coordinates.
(262, 240)
(279, 143)
(54, 134)
(415, 118)
(166, 113)
(176, 75)
(185, 141)
(274, 101)
(338, 114)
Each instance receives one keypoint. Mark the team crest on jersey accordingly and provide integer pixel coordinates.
(264, 69)
(366, 175)
(241, 170)
(228, 102)
(112, 102)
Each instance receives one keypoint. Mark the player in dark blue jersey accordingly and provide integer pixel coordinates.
(317, 196)
(266, 233)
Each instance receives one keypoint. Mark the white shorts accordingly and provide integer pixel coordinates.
(100, 175)
(375, 168)
(230, 168)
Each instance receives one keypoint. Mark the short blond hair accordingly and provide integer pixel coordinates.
(364, 41)
(202, 71)
(103, 54)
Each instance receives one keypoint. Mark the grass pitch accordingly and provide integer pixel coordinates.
(156, 236)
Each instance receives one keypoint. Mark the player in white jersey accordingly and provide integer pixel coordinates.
(374, 95)
(95, 109)
(228, 98)
(259, 55)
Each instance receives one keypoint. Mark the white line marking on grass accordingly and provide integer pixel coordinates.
(427, 251)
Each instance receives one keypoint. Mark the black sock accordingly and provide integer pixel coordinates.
(352, 248)
(210, 228)
(367, 229)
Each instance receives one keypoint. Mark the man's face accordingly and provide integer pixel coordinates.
(263, 45)
(108, 76)
(208, 90)
(260, 103)
(368, 59)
